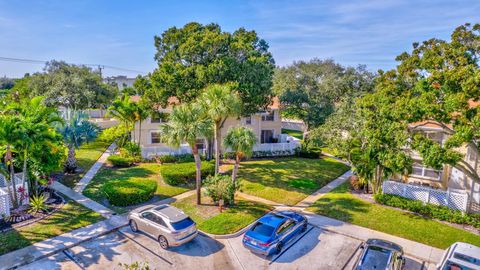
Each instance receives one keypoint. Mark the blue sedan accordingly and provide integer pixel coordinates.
(272, 231)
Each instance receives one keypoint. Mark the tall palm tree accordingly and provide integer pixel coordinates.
(76, 131)
(123, 109)
(187, 124)
(220, 102)
(10, 135)
(141, 113)
(241, 141)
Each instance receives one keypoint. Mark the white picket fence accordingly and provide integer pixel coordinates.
(276, 147)
(453, 199)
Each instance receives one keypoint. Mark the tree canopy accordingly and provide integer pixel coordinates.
(74, 87)
(311, 91)
(196, 55)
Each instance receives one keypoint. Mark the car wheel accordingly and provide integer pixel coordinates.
(279, 247)
(163, 242)
(305, 227)
(133, 226)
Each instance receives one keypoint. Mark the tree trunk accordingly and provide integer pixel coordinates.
(24, 174)
(71, 164)
(139, 132)
(8, 177)
(198, 175)
(12, 177)
(235, 168)
(217, 147)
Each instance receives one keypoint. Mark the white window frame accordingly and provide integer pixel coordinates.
(151, 138)
(423, 168)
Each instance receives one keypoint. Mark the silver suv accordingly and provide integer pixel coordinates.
(169, 225)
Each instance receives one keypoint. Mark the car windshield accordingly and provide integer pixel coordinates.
(467, 258)
(375, 258)
(182, 224)
(263, 229)
(453, 266)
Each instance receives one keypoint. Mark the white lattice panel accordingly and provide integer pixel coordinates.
(457, 201)
(454, 200)
(4, 204)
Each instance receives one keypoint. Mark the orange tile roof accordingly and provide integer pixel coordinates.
(174, 101)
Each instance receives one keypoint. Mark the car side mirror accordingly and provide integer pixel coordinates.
(362, 247)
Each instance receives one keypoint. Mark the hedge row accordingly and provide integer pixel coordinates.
(184, 173)
(129, 192)
(429, 210)
(176, 158)
(120, 161)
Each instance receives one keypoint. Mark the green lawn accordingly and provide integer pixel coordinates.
(288, 180)
(141, 171)
(86, 155)
(294, 133)
(210, 220)
(342, 205)
(71, 216)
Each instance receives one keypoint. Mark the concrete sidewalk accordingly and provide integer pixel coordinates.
(411, 248)
(94, 169)
(87, 202)
(307, 202)
(59, 243)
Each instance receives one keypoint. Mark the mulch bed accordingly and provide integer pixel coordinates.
(20, 217)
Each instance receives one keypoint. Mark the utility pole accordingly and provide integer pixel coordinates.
(100, 70)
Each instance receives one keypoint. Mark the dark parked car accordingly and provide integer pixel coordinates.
(271, 232)
(380, 254)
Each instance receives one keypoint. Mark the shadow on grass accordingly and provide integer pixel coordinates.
(339, 208)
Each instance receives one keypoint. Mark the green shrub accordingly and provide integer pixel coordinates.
(220, 187)
(185, 158)
(167, 159)
(129, 192)
(429, 210)
(356, 183)
(131, 149)
(120, 161)
(184, 173)
(112, 133)
(38, 204)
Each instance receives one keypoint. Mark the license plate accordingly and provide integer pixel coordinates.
(254, 242)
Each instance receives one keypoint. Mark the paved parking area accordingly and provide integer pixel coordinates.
(315, 249)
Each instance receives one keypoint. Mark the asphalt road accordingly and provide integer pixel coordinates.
(315, 249)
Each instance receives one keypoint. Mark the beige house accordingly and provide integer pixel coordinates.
(267, 125)
(458, 189)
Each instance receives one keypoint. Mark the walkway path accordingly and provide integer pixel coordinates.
(87, 202)
(94, 169)
(307, 202)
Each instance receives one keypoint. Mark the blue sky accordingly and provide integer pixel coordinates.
(120, 33)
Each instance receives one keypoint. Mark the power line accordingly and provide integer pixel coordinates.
(32, 61)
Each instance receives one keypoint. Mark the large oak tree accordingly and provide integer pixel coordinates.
(194, 56)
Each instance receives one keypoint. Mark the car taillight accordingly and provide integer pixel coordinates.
(246, 238)
(264, 244)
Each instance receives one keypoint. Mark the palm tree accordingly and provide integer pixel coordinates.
(76, 131)
(10, 135)
(187, 124)
(141, 113)
(36, 126)
(241, 141)
(219, 102)
(123, 109)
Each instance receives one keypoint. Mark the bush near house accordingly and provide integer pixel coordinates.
(120, 161)
(184, 173)
(429, 210)
(129, 192)
(178, 158)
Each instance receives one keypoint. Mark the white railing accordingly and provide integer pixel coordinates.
(276, 147)
(453, 199)
(152, 151)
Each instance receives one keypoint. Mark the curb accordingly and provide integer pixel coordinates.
(30, 258)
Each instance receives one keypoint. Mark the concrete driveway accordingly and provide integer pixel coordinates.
(315, 249)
